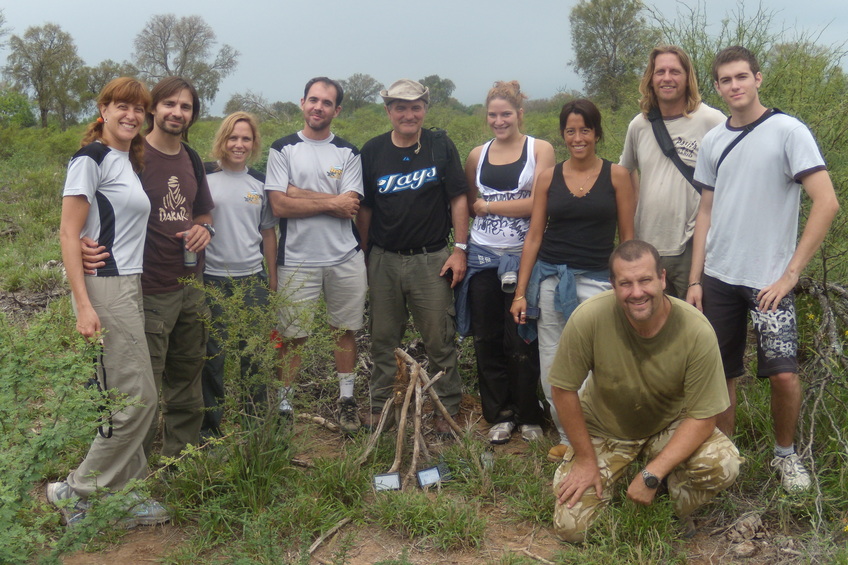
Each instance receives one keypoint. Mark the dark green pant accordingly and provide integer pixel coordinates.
(176, 336)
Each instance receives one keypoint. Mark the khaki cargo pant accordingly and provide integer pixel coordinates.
(712, 468)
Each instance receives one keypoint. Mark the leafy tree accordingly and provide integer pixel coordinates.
(611, 40)
(45, 62)
(4, 31)
(440, 88)
(97, 77)
(168, 46)
(360, 89)
(257, 105)
(15, 109)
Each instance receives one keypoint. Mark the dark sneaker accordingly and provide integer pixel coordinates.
(441, 426)
(348, 415)
(372, 419)
(71, 506)
(687, 528)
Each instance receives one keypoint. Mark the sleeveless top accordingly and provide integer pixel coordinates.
(511, 182)
(580, 231)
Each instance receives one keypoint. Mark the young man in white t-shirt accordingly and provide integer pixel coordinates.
(745, 257)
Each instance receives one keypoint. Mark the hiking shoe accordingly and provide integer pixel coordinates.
(686, 527)
(348, 415)
(557, 452)
(793, 475)
(501, 432)
(372, 419)
(73, 511)
(531, 432)
(146, 512)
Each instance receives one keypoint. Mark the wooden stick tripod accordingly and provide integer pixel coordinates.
(411, 381)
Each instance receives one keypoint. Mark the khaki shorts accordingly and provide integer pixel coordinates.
(343, 285)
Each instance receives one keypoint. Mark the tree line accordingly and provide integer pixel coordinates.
(611, 40)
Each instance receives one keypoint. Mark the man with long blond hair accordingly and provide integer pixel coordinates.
(666, 200)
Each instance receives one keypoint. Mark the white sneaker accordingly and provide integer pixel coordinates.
(146, 512)
(73, 511)
(500, 433)
(793, 475)
(531, 432)
(285, 408)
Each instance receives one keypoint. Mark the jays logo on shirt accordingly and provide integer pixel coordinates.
(390, 184)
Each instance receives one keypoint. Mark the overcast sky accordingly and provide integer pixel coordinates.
(471, 42)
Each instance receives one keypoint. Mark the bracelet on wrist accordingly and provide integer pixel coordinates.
(487, 207)
(696, 283)
(517, 298)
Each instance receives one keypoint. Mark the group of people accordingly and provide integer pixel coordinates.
(629, 368)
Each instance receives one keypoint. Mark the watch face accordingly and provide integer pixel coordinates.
(650, 480)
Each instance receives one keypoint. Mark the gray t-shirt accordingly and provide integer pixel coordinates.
(241, 212)
(329, 166)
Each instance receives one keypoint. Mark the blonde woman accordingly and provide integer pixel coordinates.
(244, 236)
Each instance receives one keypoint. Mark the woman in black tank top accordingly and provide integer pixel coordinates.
(579, 205)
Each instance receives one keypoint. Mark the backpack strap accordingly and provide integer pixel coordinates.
(667, 146)
(745, 131)
(196, 163)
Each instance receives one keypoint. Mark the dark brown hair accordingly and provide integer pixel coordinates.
(167, 87)
(732, 54)
(587, 109)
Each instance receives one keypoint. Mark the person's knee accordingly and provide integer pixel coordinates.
(785, 381)
(570, 535)
(571, 524)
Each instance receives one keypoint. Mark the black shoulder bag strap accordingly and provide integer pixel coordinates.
(745, 131)
(196, 163)
(667, 145)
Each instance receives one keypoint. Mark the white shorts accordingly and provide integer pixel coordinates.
(344, 287)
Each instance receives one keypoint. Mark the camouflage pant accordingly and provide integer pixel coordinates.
(712, 468)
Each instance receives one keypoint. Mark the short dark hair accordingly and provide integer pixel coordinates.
(732, 54)
(169, 86)
(329, 82)
(587, 109)
(632, 250)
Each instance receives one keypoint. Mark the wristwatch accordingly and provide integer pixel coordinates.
(651, 480)
(463, 246)
(210, 229)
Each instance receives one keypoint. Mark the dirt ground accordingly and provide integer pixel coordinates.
(710, 546)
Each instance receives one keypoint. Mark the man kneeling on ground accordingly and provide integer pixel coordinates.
(655, 389)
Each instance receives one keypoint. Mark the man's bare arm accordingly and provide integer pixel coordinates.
(825, 206)
(584, 473)
(689, 435)
(344, 205)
